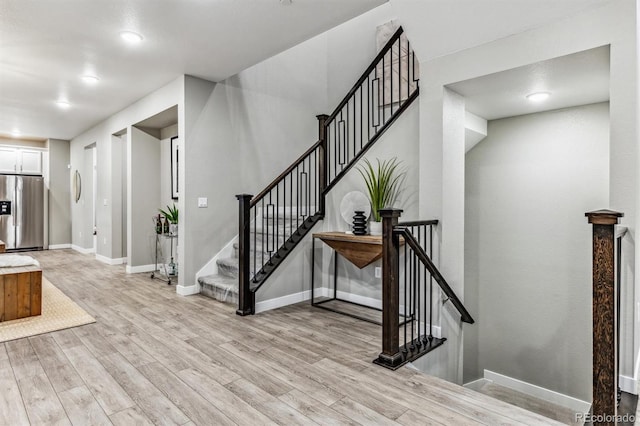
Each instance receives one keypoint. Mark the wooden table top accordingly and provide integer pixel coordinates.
(361, 250)
(349, 238)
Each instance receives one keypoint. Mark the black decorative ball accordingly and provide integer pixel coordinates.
(359, 223)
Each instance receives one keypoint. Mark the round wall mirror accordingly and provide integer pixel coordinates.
(77, 185)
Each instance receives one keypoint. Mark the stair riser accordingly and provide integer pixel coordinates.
(220, 294)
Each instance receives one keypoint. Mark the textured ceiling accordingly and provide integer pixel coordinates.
(578, 79)
(46, 45)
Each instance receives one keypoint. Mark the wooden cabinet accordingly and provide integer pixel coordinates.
(22, 161)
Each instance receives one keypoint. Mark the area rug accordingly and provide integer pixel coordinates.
(58, 312)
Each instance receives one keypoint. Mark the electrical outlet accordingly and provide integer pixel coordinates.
(80, 234)
(378, 272)
(105, 240)
(104, 202)
(203, 202)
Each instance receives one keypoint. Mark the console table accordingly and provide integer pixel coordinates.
(361, 250)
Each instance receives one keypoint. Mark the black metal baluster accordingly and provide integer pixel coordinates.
(408, 71)
(424, 285)
(354, 126)
(412, 299)
(391, 80)
(361, 115)
(384, 98)
(262, 232)
(431, 284)
(255, 247)
(406, 305)
(278, 220)
(368, 108)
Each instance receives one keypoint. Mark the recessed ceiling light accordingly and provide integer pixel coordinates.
(90, 79)
(63, 104)
(538, 96)
(131, 37)
(16, 133)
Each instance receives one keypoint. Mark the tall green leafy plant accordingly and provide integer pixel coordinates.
(383, 183)
(171, 214)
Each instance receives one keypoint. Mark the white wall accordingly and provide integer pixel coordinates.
(441, 192)
(527, 249)
(109, 184)
(144, 197)
(59, 193)
(242, 132)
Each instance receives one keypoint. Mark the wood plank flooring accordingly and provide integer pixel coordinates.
(154, 357)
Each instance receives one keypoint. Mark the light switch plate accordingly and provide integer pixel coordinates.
(104, 202)
(203, 202)
(378, 272)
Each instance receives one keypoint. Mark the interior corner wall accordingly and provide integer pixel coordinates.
(109, 186)
(145, 196)
(529, 184)
(242, 132)
(59, 192)
(614, 25)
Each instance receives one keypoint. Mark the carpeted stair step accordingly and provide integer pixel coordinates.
(220, 287)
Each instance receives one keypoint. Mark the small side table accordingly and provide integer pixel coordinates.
(157, 274)
(361, 250)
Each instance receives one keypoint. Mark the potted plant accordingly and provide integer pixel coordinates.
(171, 214)
(383, 183)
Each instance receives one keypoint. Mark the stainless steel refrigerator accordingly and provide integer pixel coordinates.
(22, 212)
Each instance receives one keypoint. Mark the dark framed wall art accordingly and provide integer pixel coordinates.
(175, 164)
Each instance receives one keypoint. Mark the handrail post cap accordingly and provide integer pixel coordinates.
(322, 116)
(244, 196)
(604, 217)
(390, 212)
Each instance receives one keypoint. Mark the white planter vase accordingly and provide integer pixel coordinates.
(375, 228)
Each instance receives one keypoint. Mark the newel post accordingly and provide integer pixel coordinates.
(604, 326)
(390, 355)
(322, 159)
(246, 298)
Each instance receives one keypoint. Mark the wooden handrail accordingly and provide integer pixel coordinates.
(282, 175)
(433, 270)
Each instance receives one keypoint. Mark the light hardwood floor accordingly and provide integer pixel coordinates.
(157, 358)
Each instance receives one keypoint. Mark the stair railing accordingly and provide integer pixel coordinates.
(385, 90)
(272, 222)
(407, 290)
(275, 220)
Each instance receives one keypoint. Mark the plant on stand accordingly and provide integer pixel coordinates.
(383, 184)
(171, 216)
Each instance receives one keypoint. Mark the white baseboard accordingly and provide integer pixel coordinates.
(59, 246)
(82, 249)
(628, 384)
(554, 397)
(140, 269)
(476, 385)
(108, 260)
(279, 302)
(183, 290)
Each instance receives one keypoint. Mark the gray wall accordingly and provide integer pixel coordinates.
(528, 246)
(144, 198)
(59, 192)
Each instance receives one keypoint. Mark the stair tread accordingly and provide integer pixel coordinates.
(219, 287)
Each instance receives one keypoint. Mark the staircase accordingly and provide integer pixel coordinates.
(223, 286)
(273, 222)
